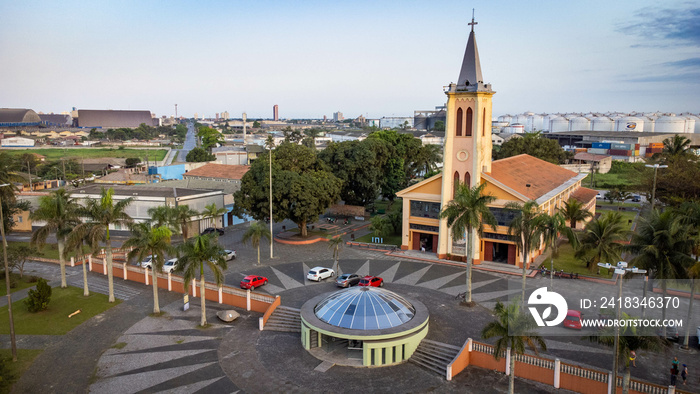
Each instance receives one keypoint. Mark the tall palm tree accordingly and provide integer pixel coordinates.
(213, 213)
(631, 339)
(146, 239)
(549, 227)
(183, 215)
(466, 213)
(8, 174)
(195, 254)
(690, 215)
(60, 212)
(602, 240)
(336, 243)
(514, 329)
(76, 242)
(676, 147)
(102, 213)
(574, 212)
(163, 215)
(662, 246)
(523, 230)
(255, 233)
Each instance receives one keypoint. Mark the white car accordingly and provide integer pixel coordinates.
(230, 254)
(146, 263)
(319, 273)
(170, 265)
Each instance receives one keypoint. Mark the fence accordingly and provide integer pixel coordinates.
(547, 371)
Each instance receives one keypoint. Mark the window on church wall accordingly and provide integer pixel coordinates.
(467, 179)
(456, 183)
(468, 132)
(483, 124)
(425, 209)
(459, 122)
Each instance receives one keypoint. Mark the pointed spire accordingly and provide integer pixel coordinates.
(470, 73)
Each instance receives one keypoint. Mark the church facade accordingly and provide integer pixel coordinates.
(467, 159)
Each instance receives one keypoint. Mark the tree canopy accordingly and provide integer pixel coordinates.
(210, 138)
(535, 145)
(198, 155)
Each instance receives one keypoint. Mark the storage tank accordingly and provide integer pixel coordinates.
(689, 124)
(521, 119)
(670, 123)
(558, 124)
(534, 122)
(696, 118)
(602, 123)
(517, 128)
(629, 123)
(649, 123)
(579, 123)
(546, 120)
(505, 119)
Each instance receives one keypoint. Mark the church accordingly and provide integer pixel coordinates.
(467, 159)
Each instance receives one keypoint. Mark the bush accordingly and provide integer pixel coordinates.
(38, 299)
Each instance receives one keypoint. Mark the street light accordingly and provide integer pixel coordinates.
(620, 269)
(653, 190)
(7, 282)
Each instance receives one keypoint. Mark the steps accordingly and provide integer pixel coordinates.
(284, 318)
(434, 356)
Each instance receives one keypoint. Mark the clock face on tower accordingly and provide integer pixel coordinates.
(462, 155)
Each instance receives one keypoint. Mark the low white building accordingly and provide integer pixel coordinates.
(17, 142)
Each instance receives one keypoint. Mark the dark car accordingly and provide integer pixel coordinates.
(636, 198)
(671, 333)
(211, 230)
(347, 280)
(373, 281)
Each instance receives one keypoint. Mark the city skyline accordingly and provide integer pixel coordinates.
(362, 58)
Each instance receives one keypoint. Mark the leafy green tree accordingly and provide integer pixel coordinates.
(183, 215)
(293, 136)
(132, 162)
(256, 124)
(210, 138)
(514, 328)
(17, 255)
(102, 213)
(524, 231)
(213, 213)
(60, 213)
(676, 184)
(146, 239)
(428, 158)
(380, 226)
(302, 187)
(574, 211)
(336, 243)
(403, 163)
(199, 155)
(662, 246)
(255, 233)
(465, 214)
(313, 134)
(676, 148)
(601, 240)
(197, 252)
(38, 300)
(549, 227)
(439, 126)
(534, 144)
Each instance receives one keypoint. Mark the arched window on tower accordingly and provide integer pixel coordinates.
(456, 184)
(467, 179)
(459, 122)
(483, 124)
(468, 133)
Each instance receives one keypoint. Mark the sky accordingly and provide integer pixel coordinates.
(371, 58)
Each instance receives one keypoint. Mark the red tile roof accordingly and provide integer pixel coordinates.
(589, 156)
(584, 195)
(517, 172)
(222, 171)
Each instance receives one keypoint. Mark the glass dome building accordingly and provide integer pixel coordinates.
(384, 326)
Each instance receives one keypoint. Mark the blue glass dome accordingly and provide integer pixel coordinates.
(364, 308)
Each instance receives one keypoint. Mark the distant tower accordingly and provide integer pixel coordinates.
(338, 116)
(217, 116)
(275, 112)
(325, 118)
(244, 127)
(176, 110)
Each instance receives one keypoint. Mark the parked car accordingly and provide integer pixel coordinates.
(170, 265)
(671, 333)
(230, 254)
(253, 281)
(636, 198)
(320, 273)
(600, 196)
(373, 281)
(212, 230)
(146, 263)
(572, 320)
(347, 280)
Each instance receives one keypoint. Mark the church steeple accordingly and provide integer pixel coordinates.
(470, 73)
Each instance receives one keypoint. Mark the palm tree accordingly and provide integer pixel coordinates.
(60, 212)
(549, 227)
(676, 147)
(255, 233)
(163, 215)
(146, 239)
(662, 246)
(513, 328)
(195, 253)
(102, 213)
(336, 243)
(380, 226)
(213, 213)
(75, 242)
(466, 213)
(690, 215)
(631, 339)
(183, 215)
(574, 212)
(523, 230)
(602, 240)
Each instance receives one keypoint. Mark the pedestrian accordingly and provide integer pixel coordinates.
(633, 357)
(684, 373)
(674, 371)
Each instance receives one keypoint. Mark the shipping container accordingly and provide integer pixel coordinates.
(636, 153)
(598, 151)
(579, 150)
(636, 146)
(601, 145)
(656, 145)
(621, 146)
(620, 152)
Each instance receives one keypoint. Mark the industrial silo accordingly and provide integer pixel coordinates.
(579, 123)
(558, 124)
(520, 119)
(505, 118)
(534, 122)
(670, 123)
(690, 124)
(602, 123)
(629, 123)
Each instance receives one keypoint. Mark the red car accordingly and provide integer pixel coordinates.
(253, 281)
(373, 281)
(572, 320)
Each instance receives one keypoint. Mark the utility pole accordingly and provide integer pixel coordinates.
(175, 111)
(63, 160)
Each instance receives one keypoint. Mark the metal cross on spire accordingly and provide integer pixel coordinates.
(472, 22)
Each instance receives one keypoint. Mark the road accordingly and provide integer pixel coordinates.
(190, 142)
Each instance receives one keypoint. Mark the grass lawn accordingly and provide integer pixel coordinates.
(569, 263)
(19, 283)
(55, 320)
(394, 239)
(89, 153)
(49, 251)
(14, 370)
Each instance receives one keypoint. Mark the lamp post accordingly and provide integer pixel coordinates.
(7, 282)
(620, 269)
(272, 235)
(653, 189)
